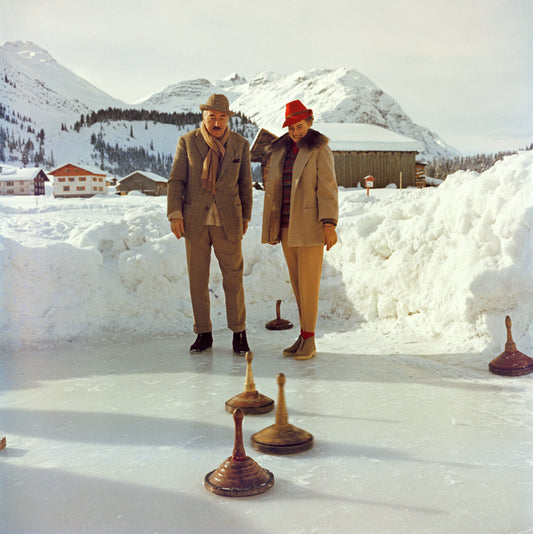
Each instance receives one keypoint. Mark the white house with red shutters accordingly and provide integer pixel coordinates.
(78, 181)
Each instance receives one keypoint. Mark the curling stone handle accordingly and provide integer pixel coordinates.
(239, 453)
(510, 345)
(249, 385)
(282, 416)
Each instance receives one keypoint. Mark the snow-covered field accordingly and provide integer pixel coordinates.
(111, 423)
(445, 263)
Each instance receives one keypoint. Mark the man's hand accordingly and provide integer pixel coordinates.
(177, 227)
(244, 226)
(330, 235)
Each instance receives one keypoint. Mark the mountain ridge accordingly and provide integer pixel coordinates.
(39, 93)
(45, 88)
(335, 95)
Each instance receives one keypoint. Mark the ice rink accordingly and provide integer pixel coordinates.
(118, 438)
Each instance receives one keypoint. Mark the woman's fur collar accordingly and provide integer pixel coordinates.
(312, 139)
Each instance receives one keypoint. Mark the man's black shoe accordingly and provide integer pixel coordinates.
(203, 342)
(240, 343)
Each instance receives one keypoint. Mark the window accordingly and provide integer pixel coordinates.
(80, 188)
(66, 188)
(10, 183)
(83, 178)
(60, 179)
(71, 179)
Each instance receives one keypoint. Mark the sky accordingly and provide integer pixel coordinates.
(462, 68)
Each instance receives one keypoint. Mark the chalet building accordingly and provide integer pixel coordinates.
(148, 183)
(76, 181)
(15, 181)
(359, 150)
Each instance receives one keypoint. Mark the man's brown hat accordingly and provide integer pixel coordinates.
(217, 103)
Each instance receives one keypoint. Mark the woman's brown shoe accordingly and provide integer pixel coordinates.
(307, 349)
(293, 348)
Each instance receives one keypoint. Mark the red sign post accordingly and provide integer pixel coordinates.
(369, 182)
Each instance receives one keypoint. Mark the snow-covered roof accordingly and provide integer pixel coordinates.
(20, 174)
(151, 175)
(361, 137)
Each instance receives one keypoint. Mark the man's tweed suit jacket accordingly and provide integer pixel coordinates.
(233, 193)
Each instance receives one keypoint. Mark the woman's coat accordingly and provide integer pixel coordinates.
(314, 194)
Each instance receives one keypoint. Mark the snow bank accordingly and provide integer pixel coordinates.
(457, 257)
(450, 261)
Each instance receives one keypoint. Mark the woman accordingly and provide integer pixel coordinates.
(300, 211)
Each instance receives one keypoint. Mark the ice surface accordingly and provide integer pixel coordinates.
(118, 438)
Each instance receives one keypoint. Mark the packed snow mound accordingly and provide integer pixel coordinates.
(458, 257)
(449, 262)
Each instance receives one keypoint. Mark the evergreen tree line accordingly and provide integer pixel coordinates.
(29, 150)
(123, 161)
(441, 168)
(132, 115)
(14, 118)
(8, 81)
(13, 148)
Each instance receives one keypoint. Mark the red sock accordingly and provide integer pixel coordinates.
(305, 335)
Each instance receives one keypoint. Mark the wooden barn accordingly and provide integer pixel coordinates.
(359, 150)
(148, 183)
(15, 181)
(75, 181)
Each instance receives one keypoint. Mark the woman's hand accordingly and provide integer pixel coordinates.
(330, 235)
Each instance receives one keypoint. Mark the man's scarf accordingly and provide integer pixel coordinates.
(214, 157)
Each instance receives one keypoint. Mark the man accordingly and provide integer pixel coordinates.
(210, 204)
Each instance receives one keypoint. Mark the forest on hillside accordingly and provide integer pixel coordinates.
(238, 123)
(440, 168)
(122, 161)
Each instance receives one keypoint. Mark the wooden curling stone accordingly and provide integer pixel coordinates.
(250, 401)
(3, 443)
(511, 362)
(282, 437)
(278, 323)
(239, 475)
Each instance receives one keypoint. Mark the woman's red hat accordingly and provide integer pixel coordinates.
(295, 112)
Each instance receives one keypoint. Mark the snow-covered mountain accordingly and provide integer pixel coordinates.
(340, 95)
(35, 85)
(36, 92)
